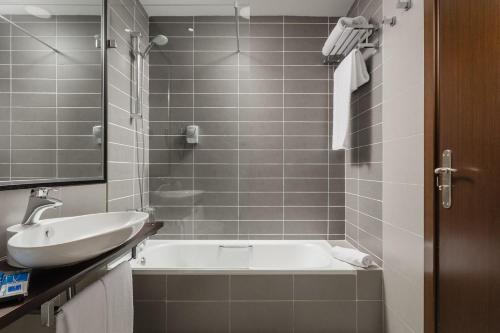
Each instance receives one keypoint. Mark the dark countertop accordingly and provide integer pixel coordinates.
(47, 284)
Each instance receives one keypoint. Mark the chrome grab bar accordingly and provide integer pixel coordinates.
(236, 246)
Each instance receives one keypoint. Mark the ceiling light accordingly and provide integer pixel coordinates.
(191, 29)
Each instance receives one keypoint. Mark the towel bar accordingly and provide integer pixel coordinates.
(49, 309)
(351, 37)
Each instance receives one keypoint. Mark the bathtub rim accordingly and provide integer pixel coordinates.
(347, 270)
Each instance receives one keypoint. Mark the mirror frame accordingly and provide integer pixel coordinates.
(104, 107)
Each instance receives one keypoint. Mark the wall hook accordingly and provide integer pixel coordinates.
(389, 20)
(404, 4)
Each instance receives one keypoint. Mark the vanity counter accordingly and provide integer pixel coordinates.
(47, 284)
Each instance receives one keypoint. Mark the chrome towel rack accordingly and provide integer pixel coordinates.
(351, 37)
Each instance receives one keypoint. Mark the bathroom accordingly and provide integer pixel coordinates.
(249, 166)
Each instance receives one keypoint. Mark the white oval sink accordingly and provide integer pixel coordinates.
(69, 240)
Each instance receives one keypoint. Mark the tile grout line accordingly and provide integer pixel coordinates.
(282, 135)
(10, 103)
(328, 145)
(166, 303)
(293, 303)
(230, 305)
(57, 97)
(238, 135)
(283, 124)
(133, 122)
(193, 208)
(356, 303)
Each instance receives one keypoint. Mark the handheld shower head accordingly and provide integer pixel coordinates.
(157, 40)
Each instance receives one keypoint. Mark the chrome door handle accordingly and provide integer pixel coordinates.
(440, 171)
(444, 174)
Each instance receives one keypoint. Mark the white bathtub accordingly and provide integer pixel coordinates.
(237, 257)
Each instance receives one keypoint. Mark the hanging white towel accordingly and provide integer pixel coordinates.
(342, 24)
(119, 297)
(86, 312)
(352, 256)
(349, 76)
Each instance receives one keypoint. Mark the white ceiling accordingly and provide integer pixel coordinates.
(191, 7)
(55, 7)
(258, 7)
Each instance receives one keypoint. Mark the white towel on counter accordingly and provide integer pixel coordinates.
(349, 76)
(119, 299)
(342, 24)
(352, 256)
(86, 312)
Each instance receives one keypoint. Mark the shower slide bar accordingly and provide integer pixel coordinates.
(29, 33)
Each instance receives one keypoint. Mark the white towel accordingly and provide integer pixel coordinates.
(352, 256)
(349, 76)
(119, 296)
(85, 313)
(342, 24)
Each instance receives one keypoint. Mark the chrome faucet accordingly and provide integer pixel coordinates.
(38, 203)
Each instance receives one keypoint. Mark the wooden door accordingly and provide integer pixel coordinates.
(468, 123)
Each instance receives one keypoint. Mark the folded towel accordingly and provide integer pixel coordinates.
(85, 313)
(119, 297)
(352, 256)
(342, 24)
(349, 76)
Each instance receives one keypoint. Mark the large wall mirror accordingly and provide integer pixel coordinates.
(52, 110)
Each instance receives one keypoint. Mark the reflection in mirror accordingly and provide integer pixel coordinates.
(51, 96)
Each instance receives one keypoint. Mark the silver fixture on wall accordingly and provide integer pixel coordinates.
(243, 11)
(404, 4)
(97, 133)
(112, 44)
(137, 112)
(237, 23)
(97, 40)
(38, 203)
(401, 4)
(159, 40)
(389, 21)
(138, 63)
(445, 173)
(351, 37)
(192, 135)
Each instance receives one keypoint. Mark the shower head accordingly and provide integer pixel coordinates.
(157, 40)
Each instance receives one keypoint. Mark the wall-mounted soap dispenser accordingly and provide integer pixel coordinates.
(192, 134)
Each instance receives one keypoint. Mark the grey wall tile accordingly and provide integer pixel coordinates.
(261, 287)
(369, 285)
(370, 317)
(150, 316)
(143, 287)
(197, 317)
(263, 317)
(264, 303)
(364, 160)
(325, 317)
(197, 287)
(325, 287)
(254, 228)
(305, 228)
(264, 126)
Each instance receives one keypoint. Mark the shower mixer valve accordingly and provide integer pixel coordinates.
(192, 134)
